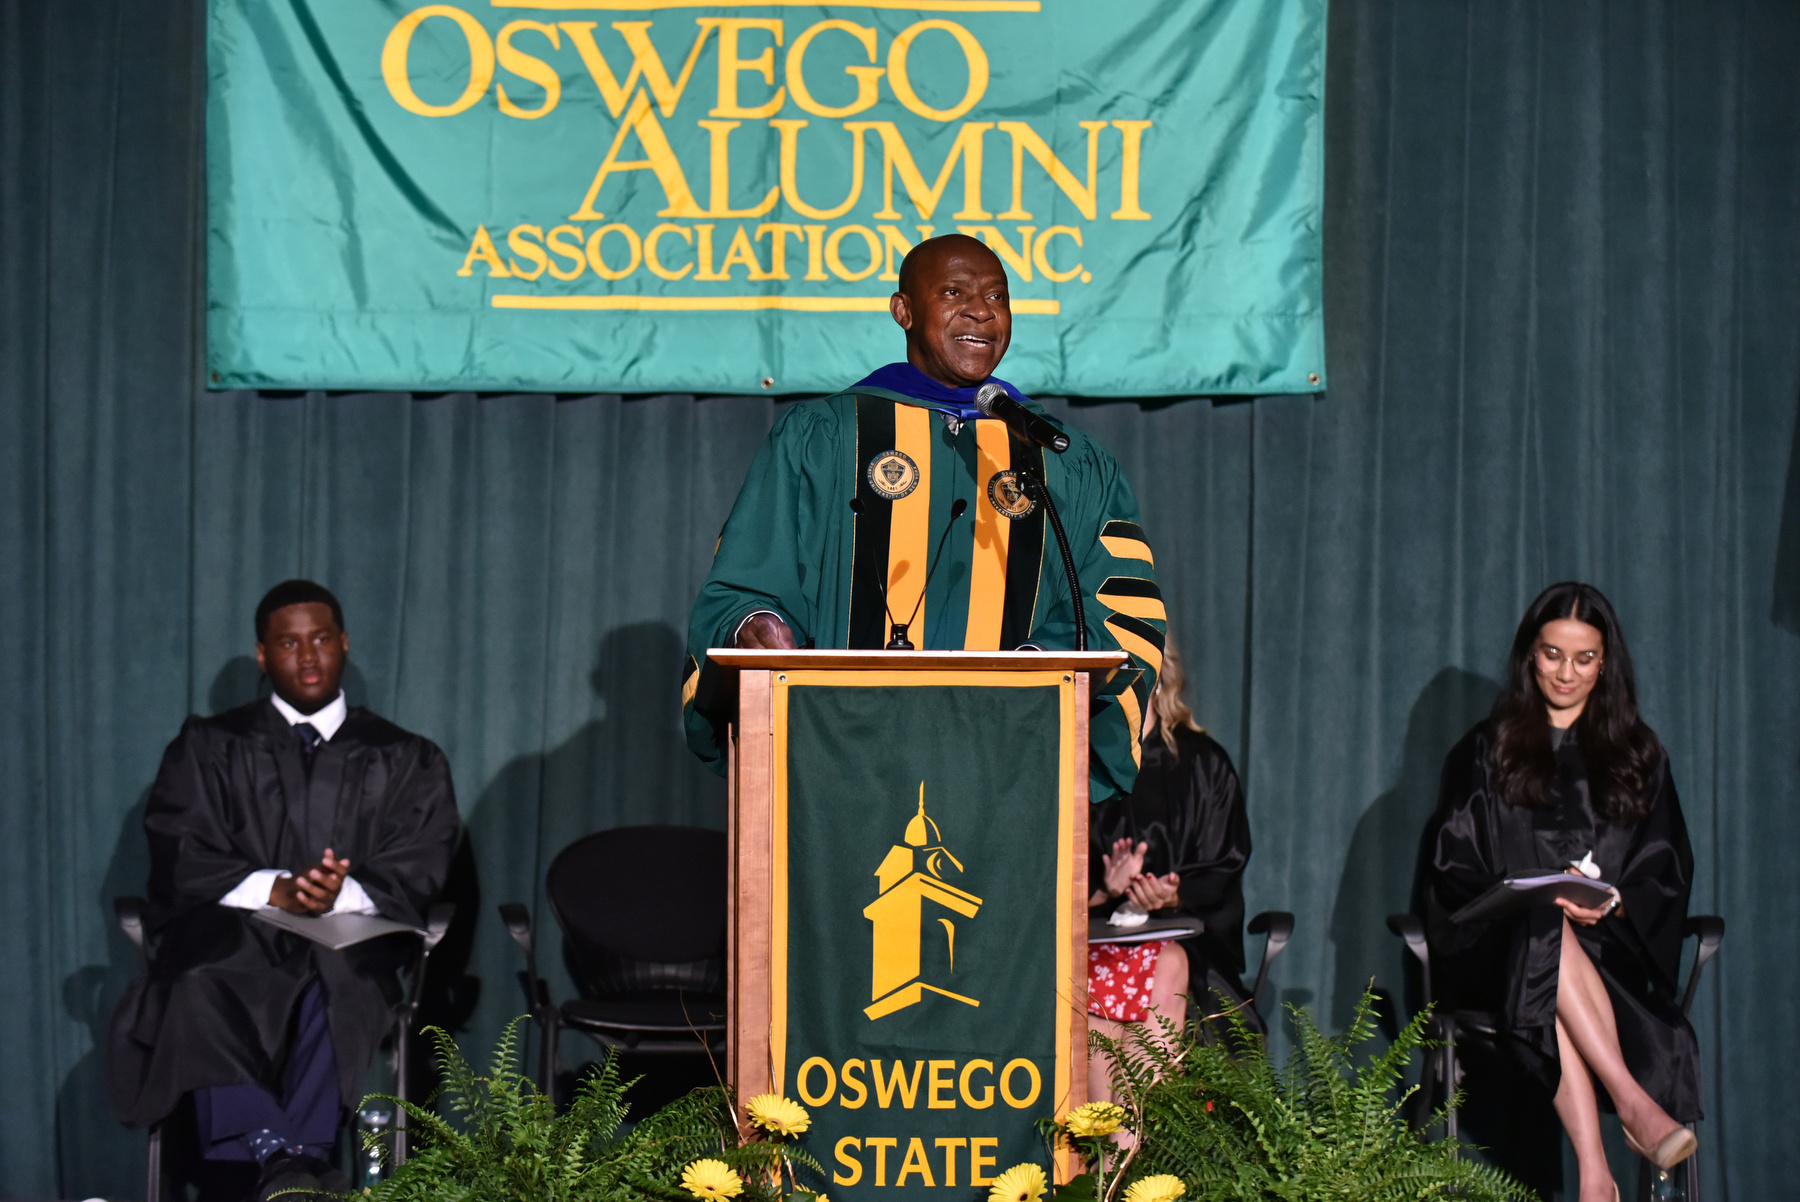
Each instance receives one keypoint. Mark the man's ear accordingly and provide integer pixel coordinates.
(262, 664)
(901, 308)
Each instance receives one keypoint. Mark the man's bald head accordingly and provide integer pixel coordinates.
(953, 304)
(929, 253)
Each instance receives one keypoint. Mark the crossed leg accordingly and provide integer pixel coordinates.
(1166, 989)
(1587, 1040)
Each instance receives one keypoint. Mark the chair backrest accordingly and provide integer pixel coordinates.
(643, 908)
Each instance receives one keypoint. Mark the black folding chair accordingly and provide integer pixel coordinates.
(130, 912)
(1443, 1072)
(643, 912)
(1278, 927)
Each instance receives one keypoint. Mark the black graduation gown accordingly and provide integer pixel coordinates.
(1509, 965)
(1190, 811)
(234, 795)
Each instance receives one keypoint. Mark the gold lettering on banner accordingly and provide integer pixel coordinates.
(561, 248)
(867, 78)
(897, 157)
(915, 1162)
(815, 259)
(519, 242)
(525, 66)
(789, 130)
(720, 133)
(1133, 133)
(1025, 140)
(901, 84)
(834, 252)
(731, 65)
(1042, 260)
(597, 259)
(740, 252)
(482, 247)
(661, 161)
(646, 64)
(399, 42)
(650, 256)
(778, 232)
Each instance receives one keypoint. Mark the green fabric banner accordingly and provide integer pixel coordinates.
(632, 195)
(922, 1024)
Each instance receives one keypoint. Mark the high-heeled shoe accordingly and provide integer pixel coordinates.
(1669, 1151)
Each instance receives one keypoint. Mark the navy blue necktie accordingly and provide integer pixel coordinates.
(310, 738)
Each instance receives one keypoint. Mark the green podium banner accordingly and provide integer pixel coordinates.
(715, 195)
(922, 898)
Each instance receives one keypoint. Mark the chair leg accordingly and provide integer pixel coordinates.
(153, 1167)
(400, 1041)
(1449, 1070)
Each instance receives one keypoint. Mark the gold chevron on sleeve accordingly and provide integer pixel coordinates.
(1134, 721)
(1133, 596)
(1138, 638)
(690, 682)
(1125, 540)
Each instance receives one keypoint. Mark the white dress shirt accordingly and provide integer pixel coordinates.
(252, 893)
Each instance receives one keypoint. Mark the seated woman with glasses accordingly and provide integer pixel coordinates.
(1564, 775)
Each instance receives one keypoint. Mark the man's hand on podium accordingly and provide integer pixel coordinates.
(766, 632)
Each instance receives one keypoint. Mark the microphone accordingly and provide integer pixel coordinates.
(993, 401)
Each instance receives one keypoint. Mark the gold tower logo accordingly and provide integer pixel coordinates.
(898, 916)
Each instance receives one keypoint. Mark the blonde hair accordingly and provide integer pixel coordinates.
(1165, 700)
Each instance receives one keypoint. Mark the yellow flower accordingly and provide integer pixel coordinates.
(711, 1179)
(1161, 1188)
(1021, 1183)
(779, 1115)
(1096, 1118)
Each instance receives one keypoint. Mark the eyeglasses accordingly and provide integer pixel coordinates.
(1586, 663)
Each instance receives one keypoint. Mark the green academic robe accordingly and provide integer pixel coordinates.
(833, 570)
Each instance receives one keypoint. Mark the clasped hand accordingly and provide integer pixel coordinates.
(314, 891)
(1125, 875)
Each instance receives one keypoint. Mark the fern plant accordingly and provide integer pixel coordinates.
(1233, 1127)
(514, 1147)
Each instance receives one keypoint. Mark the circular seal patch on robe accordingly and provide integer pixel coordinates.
(1007, 495)
(893, 474)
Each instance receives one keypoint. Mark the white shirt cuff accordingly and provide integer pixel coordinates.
(353, 899)
(252, 893)
(746, 621)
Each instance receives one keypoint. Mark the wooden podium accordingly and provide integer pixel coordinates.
(837, 754)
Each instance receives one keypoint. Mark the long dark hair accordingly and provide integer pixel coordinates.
(1623, 755)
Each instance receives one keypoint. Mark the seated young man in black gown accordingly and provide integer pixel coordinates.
(303, 803)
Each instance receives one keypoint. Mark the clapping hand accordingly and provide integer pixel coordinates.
(314, 891)
(1150, 892)
(1123, 865)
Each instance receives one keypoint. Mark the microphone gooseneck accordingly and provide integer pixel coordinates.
(993, 401)
(898, 641)
(1032, 484)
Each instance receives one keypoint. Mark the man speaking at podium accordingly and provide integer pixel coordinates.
(895, 513)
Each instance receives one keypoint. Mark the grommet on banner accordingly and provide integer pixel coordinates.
(768, 382)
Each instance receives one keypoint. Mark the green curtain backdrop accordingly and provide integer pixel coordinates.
(1563, 292)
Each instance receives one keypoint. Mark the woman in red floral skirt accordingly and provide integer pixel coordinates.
(1176, 846)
